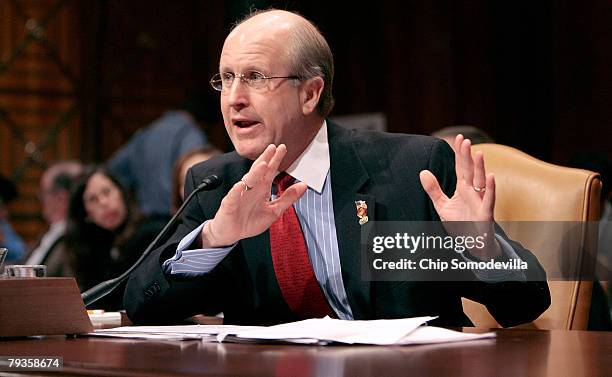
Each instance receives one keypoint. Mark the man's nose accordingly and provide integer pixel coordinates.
(238, 94)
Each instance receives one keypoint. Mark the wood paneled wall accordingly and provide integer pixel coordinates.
(40, 72)
(78, 78)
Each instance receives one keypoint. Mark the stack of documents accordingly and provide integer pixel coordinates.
(320, 331)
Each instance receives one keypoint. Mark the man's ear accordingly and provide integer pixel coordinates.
(311, 93)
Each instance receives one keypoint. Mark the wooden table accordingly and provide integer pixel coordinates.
(513, 353)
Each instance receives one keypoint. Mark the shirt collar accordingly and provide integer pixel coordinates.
(313, 164)
(58, 226)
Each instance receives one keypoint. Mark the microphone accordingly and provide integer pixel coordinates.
(95, 293)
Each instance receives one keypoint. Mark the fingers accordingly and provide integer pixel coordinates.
(467, 163)
(277, 158)
(432, 187)
(457, 149)
(458, 140)
(255, 177)
(480, 180)
(232, 200)
(266, 155)
(488, 200)
(265, 167)
(470, 168)
(290, 196)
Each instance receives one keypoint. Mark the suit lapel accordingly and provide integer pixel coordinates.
(348, 176)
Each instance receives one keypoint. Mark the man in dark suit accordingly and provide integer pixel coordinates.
(229, 254)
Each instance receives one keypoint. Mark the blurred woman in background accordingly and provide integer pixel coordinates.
(105, 233)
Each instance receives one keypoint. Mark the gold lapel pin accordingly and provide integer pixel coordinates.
(362, 211)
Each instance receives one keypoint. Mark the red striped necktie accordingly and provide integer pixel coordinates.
(292, 266)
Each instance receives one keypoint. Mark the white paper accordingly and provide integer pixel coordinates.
(432, 334)
(406, 331)
(183, 329)
(185, 332)
(381, 332)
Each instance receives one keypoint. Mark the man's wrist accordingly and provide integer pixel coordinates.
(208, 239)
(206, 236)
(492, 250)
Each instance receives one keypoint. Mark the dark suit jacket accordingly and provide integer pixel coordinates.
(382, 169)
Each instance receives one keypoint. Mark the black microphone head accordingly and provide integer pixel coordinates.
(210, 183)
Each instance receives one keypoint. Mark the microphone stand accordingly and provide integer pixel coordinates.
(97, 292)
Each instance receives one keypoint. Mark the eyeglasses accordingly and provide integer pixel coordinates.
(253, 79)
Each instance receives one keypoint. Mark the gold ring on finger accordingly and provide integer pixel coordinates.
(246, 186)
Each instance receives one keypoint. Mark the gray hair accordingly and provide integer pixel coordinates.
(309, 56)
(63, 174)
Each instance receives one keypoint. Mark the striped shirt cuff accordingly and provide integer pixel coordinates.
(196, 262)
(498, 276)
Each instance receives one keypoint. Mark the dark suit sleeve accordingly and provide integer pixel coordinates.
(511, 302)
(152, 297)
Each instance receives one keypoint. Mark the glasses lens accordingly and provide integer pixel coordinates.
(216, 82)
(255, 79)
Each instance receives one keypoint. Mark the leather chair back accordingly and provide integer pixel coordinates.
(528, 189)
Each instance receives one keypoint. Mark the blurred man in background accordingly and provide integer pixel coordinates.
(144, 165)
(55, 186)
(476, 135)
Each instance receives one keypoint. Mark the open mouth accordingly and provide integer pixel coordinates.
(110, 216)
(244, 123)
